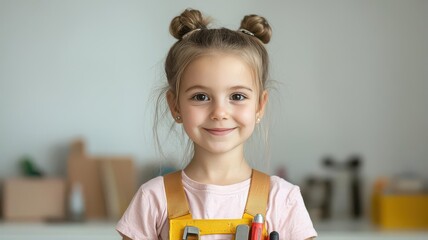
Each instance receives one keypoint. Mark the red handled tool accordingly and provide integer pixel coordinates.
(257, 227)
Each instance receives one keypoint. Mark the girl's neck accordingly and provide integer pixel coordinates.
(219, 169)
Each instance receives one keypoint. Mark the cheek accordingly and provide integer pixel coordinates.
(247, 113)
(192, 115)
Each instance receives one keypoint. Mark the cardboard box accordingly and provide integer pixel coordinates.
(34, 199)
(109, 183)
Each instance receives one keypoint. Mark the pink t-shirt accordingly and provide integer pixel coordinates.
(146, 216)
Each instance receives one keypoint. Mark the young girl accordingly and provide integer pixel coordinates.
(217, 91)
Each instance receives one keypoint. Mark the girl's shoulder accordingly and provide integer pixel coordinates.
(287, 212)
(153, 186)
(282, 189)
(156, 181)
(278, 181)
(148, 203)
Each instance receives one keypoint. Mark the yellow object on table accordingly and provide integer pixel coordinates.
(403, 211)
(398, 211)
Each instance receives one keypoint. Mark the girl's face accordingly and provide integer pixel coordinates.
(218, 102)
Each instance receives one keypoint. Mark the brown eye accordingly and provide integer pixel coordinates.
(237, 97)
(200, 97)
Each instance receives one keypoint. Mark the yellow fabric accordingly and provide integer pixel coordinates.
(179, 214)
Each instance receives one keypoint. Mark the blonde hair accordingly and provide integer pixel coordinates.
(196, 39)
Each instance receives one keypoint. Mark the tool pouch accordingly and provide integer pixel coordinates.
(179, 214)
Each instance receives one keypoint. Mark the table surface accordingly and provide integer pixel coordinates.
(331, 230)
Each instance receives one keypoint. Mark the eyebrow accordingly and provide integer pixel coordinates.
(232, 88)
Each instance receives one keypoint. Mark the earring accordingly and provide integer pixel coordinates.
(178, 118)
(258, 120)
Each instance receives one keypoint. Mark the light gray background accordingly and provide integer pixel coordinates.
(353, 79)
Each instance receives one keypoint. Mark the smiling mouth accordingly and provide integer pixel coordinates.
(219, 131)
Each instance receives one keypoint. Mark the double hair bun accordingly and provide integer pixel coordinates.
(191, 20)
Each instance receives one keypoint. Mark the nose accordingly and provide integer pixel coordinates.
(219, 111)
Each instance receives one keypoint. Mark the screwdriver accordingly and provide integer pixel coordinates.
(257, 227)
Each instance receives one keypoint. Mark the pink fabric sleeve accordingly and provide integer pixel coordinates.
(143, 217)
(300, 222)
(287, 213)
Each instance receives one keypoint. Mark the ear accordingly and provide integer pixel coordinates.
(262, 104)
(172, 103)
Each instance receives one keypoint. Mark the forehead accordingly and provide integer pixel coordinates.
(218, 69)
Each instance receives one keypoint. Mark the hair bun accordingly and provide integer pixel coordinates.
(257, 25)
(188, 21)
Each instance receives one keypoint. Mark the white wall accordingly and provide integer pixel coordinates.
(353, 79)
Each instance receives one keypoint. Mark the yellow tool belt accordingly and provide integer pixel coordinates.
(179, 214)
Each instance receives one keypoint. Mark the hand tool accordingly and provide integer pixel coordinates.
(274, 236)
(257, 227)
(242, 232)
(191, 233)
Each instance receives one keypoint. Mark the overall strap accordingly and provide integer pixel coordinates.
(175, 196)
(258, 194)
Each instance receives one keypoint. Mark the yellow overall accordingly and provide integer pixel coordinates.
(179, 214)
